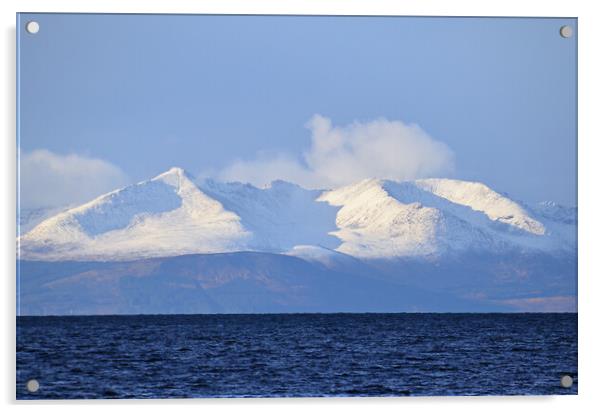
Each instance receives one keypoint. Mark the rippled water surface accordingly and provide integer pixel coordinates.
(291, 355)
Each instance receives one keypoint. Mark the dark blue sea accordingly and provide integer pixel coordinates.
(296, 355)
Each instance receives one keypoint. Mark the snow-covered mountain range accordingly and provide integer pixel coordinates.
(175, 245)
(172, 215)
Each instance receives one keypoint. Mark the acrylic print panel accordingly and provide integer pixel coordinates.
(275, 206)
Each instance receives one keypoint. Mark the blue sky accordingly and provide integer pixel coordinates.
(128, 96)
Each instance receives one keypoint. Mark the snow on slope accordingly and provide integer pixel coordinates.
(382, 219)
(170, 215)
(557, 213)
(29, 218)
(167, 215)
(560, 222)
(372, 223)
(279, 216)
(479, 197)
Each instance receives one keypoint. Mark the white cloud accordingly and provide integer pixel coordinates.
(343, 155)
(266, 169)
(52, 180)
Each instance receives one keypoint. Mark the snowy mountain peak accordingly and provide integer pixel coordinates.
(383, 218)
(164, 216)
(175, 177)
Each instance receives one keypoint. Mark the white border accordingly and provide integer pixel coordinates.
(590, 135)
